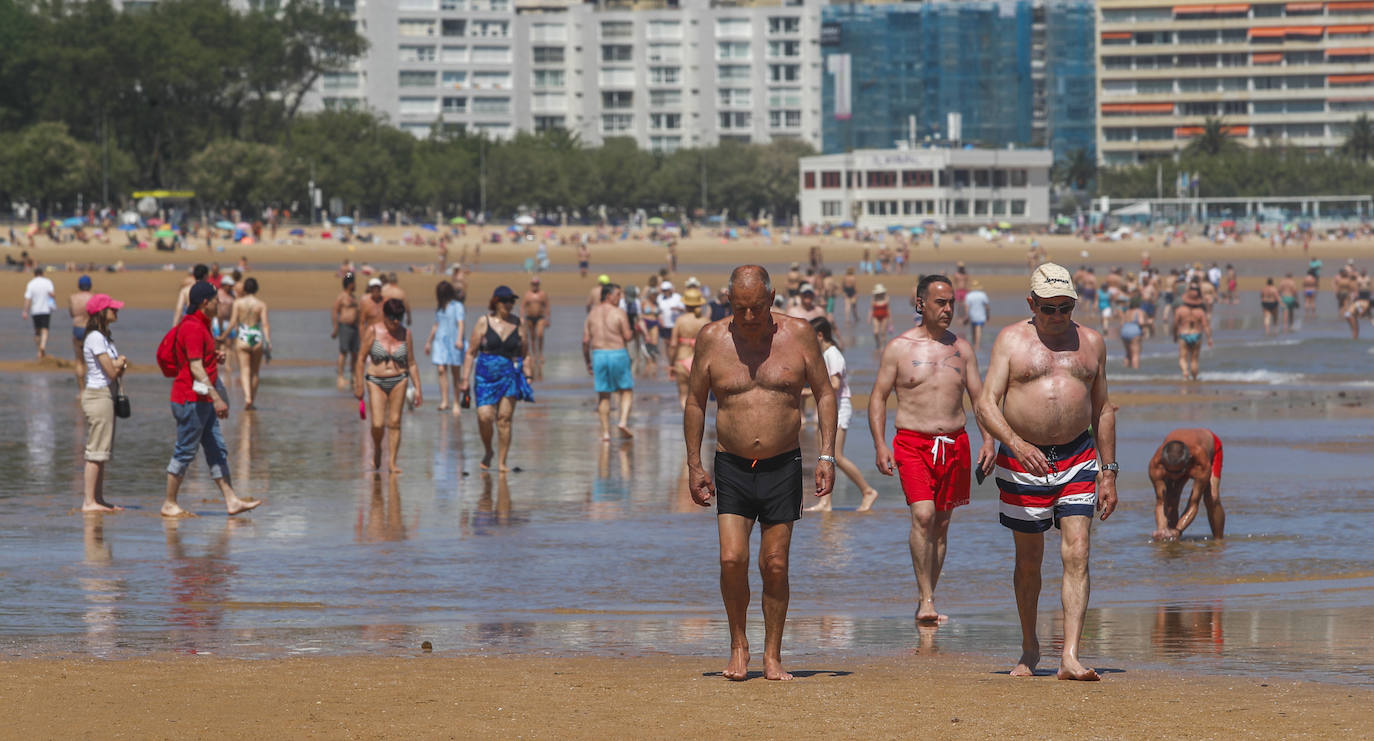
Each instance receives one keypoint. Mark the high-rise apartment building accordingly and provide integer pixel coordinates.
(1017, 73)
(1293, 73)
(667, 73)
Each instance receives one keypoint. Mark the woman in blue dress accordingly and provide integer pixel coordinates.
(445, 344)
(498, 371)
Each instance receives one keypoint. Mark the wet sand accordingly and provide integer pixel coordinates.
(650, 697)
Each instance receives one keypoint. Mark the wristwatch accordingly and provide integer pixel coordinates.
(1113, 467)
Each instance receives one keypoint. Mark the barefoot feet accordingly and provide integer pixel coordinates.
(738, 668)
(1026, 666)
(625, 431)
(1069, 668)
(821, 506)
(772, 669)
(238, 506)
(171, 509)
(928, 615)
(100, 505)
(870, 497)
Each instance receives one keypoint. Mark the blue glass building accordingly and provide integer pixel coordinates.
(975, 58)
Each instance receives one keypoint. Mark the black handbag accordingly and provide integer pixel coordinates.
(121, 403)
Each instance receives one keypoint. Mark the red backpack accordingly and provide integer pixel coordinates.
(167, 353)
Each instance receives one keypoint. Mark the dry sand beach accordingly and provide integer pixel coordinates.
(1264, 636)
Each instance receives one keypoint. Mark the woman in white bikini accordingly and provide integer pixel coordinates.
(253, 341)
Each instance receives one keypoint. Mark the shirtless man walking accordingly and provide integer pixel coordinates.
(1191, 325)
(756, 362)
(1045, 399)
(391, 288)
(604, 336)
(371, 305)
(76, 306)
(345, 316)
(806, 307)
(534, 306)
(1190, 454)
(1288, 294)
(931, 369)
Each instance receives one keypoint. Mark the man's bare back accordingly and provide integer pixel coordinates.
(607, 326)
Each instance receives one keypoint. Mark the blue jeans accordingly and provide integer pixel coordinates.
(198, 425)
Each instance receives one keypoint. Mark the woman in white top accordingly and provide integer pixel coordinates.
(104, 367)
(835, 368)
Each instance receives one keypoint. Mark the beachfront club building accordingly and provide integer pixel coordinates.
(955, 188)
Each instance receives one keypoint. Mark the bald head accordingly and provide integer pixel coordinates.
(750, 276)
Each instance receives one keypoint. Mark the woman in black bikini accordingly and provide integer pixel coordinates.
(498, 371)
(388, 365)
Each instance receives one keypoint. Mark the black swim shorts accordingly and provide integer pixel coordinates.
(40, 322)
(768, 490)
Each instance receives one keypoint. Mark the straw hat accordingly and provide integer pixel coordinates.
(692, 297)
(880, 288)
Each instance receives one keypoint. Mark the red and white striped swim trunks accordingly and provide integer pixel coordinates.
(1030, 503)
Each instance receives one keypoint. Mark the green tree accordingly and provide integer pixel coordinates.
(1360, 143)
(44, 165)
(240, 174)
(1076, 170)
(1215, 139)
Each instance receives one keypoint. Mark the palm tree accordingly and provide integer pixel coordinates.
(1076, 170)
(1214, 139)
(1360, 143)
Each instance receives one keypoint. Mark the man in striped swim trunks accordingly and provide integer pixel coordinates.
(1045, 400)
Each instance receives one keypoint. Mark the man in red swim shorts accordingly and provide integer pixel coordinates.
(1189, 454)
(931, 370)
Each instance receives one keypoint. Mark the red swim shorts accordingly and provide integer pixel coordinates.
(933, 467)
(1216, 456)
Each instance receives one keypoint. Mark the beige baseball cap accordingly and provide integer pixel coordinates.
(1050, 280)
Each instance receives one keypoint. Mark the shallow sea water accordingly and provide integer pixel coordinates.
(596, 548)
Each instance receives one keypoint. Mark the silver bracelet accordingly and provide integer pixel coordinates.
(826, 458)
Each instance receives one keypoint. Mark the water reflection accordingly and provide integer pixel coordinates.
(490, 512)
(380, 518)
(200, 583)
(1182, 630)
(101, 588)
(611, 489)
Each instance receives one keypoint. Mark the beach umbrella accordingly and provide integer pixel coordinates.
(917, 230)
(164, 233)
(514, 228)
(1004, 225)
(243, 225)
(222, 224)
(1229, 223)
(457, 220)
(655, 221)
(73, 222)
(153, 222)
(127, 227)
(346, 221)
(846, 225)
(525, 220)
(429, 227)
(893, 228)
(297, 232)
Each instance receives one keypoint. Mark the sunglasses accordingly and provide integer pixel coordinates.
(1051, 310)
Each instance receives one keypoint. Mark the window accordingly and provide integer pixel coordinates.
(784, 24)
(415, 27)
(491, 54)
(882, 208)
(495, 6)
(417, 54)
(541, 101)
(735, 97)
(612, 123)
(545, 32)
(832, 209)
(341, 80)
(548, 55)
(1147, 87)
(617, 53)
(733, 27)
(454, 55)
(1198, 109)
(980, 178)
(455, 78)
(419, 106)
(1197, 37)
(960, 207)
(980, 207)
(665, 98)
(548, 123)
(417, 130)
(665, 52)
(455, 105)
(732, 72)
(784, 72)
(961, 178)
(1235, 108)
(617, 77)
(415, 78)
(548, 78)
(726, 50)
(785, 97)
(661, 121)
(493, 29)
(784, 49)
(416, 5)
(491, 105)
(916, 178)
(617, 99)
(1018, 178)
(495, 130)
(881, 179)
(342, 104)
(809, 180)
(617, 29)
(664, 30)
(999, 207)
(999, 178)
(665, 75)
(1154, 133)
(491, 80)
(784, 119)
(1018, 207)
(1115, 63)
(452, 27)
(735, 120)
(453, 5)
(665, 144)
(830, 179)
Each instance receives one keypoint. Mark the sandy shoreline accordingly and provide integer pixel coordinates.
(649, 697)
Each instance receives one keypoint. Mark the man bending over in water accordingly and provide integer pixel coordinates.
(757, 362)
(1187, 455)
